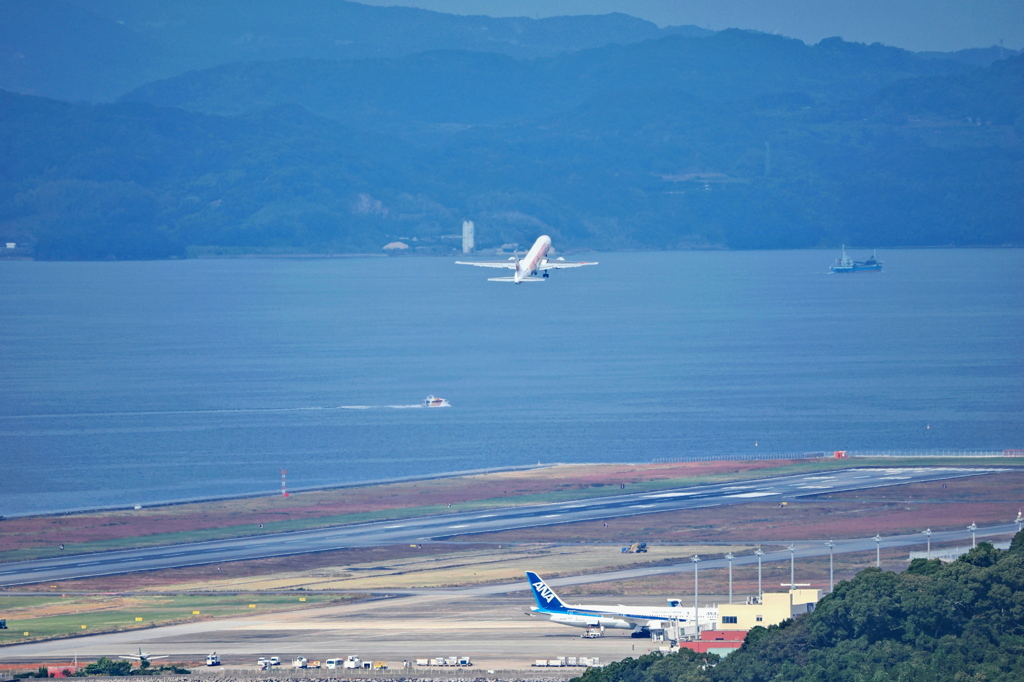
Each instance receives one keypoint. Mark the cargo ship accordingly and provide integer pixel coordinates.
(847, 264)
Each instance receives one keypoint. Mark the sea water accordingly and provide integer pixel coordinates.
(127, 383)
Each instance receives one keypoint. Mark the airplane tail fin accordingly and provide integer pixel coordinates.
(546, 598)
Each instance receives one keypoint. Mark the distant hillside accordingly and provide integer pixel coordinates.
(465, 88)
(736, 140)
(98, 49)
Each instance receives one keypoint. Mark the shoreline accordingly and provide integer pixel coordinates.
(272, 493)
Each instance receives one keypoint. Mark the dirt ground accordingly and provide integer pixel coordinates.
(582, 548)
(955, 503)
(277, 512)
(495, 557)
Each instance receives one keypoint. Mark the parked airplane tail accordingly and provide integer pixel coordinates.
(546, 598)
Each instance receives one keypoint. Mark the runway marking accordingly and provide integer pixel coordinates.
(464, 525)
(754, 494)
(640, 506)
(653, 497)
(393, 527)
(550, 516)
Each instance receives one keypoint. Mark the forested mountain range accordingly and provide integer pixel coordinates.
(931, 623)
(98, 49)
(604, 132)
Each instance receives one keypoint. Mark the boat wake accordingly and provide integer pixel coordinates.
(239, 410)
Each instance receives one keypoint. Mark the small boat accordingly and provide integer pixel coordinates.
(433, 401)
(847, 264)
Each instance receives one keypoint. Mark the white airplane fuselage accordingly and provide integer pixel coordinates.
(618, 616)
(533, 267)
(528, 266)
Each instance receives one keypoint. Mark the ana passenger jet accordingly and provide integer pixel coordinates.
(642, 620)
(526, 269)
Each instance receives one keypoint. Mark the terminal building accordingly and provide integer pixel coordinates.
(771, 609)
(735, 620)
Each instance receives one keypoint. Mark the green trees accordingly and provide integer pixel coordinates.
(932, 622)
(109, 668)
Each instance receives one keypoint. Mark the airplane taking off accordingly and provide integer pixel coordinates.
(526, 269)
(642, 620)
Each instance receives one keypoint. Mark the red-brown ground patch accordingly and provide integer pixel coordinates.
(891, 510)
(46, 531)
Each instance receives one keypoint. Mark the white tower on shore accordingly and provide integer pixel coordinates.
(467, 236)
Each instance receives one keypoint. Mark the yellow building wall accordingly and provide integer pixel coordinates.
(774, 608)
(805, 597)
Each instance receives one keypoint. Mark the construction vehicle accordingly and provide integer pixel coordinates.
(635, 548)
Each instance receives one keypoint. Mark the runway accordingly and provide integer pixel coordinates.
(489, 623)
(428, 528)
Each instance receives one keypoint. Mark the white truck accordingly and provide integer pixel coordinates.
(213, 659)
(300, 662)
(352, 663)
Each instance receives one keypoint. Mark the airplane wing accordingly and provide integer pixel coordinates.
(508, 265)
(560, 264)
(513, 279)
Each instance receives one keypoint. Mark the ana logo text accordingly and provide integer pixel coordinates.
(544, 591)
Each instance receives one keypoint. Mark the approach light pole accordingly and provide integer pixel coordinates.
(730, 557)
(974, 529)
(831, 582)
(759, 554)
(928, 534)
(878, 550)
(1019, 519)
(696, 613)
(792, 567)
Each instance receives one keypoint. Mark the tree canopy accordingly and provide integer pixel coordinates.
(932, 622)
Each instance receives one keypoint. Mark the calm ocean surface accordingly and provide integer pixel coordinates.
(133, 383)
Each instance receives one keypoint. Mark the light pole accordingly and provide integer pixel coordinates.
(759, 554)
(1019, 519)
(792, 567)
(696, 613)
(878, 550)
(730, 557)
(928, 534)
(974, 529)
(831, 583)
